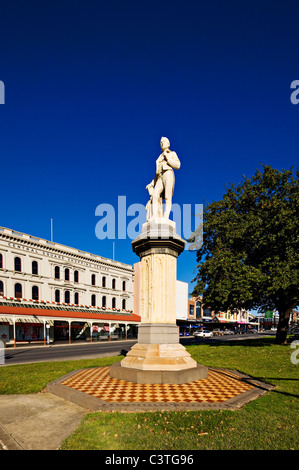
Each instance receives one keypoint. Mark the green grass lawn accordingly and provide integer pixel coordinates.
(269, 423)
(33, 378)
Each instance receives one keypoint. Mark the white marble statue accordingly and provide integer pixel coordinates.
(161, 187)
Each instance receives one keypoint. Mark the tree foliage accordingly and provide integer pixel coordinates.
(250, 252)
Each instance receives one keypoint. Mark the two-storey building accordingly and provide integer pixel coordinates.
(39, 273)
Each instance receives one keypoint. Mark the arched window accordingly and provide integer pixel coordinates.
(198, 309)
(66, 274)
(1, 261)
(1, 288)
(103, 281)
(18, 291)
(57, 272)
(124, 285)
(93, 279)
(18, 264)
(93, 300)
(76, 298)
(76, 276)
(57, 295)
(67, 297)
(34, 267)
(104, 301)
(113, 283)
(124, 304)
(34, 293)
(113, 302)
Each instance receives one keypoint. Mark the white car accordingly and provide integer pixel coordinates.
(203, 334)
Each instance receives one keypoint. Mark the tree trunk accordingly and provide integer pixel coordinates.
(283, 324)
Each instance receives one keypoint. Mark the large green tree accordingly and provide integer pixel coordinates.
(249, 257)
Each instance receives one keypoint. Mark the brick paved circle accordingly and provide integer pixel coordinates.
(218, 387)
(93, 388)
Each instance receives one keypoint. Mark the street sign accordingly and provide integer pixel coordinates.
(269, 314)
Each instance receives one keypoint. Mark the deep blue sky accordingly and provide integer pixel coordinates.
(91, 86)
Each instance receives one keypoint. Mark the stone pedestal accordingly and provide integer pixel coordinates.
(158, 357)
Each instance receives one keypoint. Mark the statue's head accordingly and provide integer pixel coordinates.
(165, 144)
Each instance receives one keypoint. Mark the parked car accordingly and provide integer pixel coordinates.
(294, 334)
(228, 332)
(252, 330)
(217, 332)
(241, 331)
(203, 334)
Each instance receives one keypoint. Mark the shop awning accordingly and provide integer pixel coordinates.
(6, 320)
(59, 313)
(33, 320)
(29, 319)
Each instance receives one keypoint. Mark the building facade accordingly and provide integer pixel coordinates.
(36, 271)
(181, 301)
(198, 313)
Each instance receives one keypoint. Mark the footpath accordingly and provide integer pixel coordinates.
(37, 421)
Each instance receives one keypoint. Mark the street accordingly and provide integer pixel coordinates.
(66, 352)
(38, 353)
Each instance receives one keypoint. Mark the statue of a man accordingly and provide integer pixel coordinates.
(163, 183)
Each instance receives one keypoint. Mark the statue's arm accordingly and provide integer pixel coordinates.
(173, 160)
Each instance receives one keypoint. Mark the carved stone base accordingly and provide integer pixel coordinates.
(158, 363)
(158, 377)
(158, 357)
